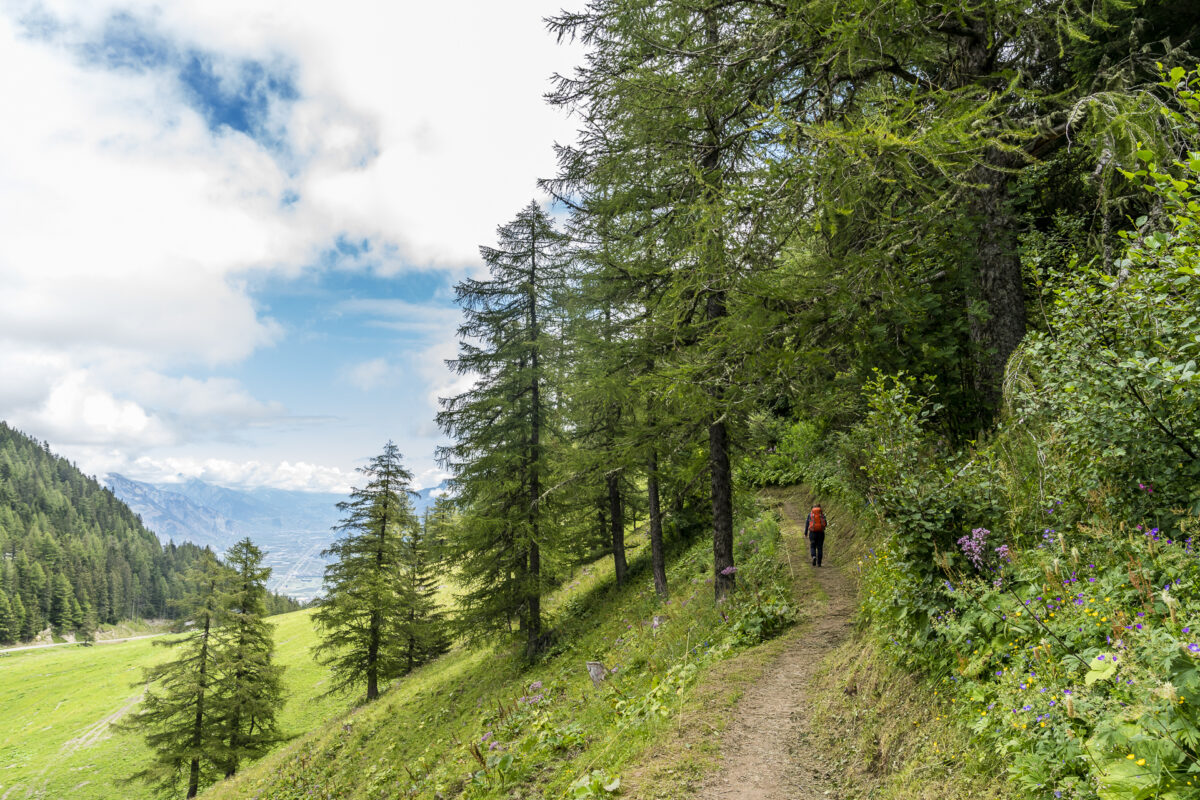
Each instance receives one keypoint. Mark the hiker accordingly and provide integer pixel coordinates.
(814, 531)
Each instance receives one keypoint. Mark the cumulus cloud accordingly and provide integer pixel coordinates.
(163, 153)
(300, 476)
(432, 477)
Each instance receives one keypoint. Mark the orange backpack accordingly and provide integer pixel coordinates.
(816, 520)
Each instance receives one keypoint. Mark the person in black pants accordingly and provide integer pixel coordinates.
(814, 531)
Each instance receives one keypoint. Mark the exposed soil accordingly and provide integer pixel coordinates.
(766, 752)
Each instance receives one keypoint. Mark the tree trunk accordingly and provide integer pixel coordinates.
(999, 286)
(617, 519)
(602, 518)
(722, 509)
(198, 725)
(657, 561)
(533, 629)
(373, 657)
(533, 642)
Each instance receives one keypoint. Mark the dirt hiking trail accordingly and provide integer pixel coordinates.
(766, 752)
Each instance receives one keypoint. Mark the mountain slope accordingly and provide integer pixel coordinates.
(74, 556)
(174, 516)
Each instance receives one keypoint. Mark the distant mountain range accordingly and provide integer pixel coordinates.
(293, 527)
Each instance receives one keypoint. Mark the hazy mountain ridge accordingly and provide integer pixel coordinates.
(293, 527)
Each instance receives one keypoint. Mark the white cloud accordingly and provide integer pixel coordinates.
(76, 410)
(248, 474)
(432, 477)
(401, 315)
(128, 227)
(368, 374)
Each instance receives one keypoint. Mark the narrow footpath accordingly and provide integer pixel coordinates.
(766, 752)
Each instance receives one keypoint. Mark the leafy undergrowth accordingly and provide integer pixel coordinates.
(480, 723)
(1076, 659)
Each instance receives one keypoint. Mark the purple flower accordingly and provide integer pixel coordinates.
(974, 546)
(729, 571)
(1195, 648)
(533, 687)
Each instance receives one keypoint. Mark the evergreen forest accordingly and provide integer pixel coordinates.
(74, 556)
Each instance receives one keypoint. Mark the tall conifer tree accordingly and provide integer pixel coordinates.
(249, 691)
(673, 158)
(503, 427)
(176, 715)
(366, 599)
(9, 627)
(423, 627)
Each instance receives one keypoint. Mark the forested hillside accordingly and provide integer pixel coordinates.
(74, 556)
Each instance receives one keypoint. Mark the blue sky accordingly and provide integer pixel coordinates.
(230, 230)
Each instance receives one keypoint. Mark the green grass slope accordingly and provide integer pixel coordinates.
(480, 723)
(57, 705)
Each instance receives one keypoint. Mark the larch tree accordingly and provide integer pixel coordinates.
(365, 598)
(914, 124)
(673, 157)
(249, 690)
(503, 428)
(423, 627)
(176, 715)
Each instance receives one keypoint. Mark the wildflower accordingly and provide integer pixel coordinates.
(533, 687)
(731, 570)
(1193, 647)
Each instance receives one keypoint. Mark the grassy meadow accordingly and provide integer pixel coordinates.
(56, 705)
